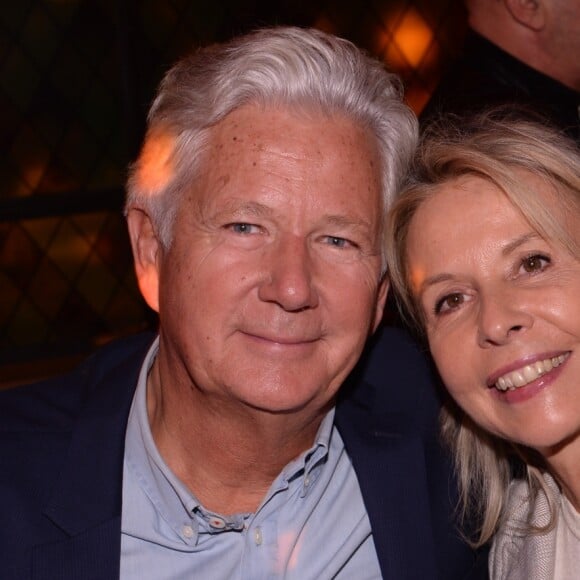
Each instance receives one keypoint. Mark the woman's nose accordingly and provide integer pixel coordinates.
(502, 317)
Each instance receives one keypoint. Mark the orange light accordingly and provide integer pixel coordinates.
(405, 41)
(33, 174)
(155, 166)
(417, 276)
(413, 37)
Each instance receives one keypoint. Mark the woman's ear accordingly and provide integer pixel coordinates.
(146, 255)
(529, 13)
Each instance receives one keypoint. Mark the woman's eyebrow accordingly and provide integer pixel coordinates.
(520, 241)
(420, 284)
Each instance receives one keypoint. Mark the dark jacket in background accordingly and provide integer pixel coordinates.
(485, 75)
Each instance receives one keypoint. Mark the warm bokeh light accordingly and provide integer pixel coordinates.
(326, 25)
(155, 166)
(413, 37)
(32, 175)
(417, 97)
(417, 276)
(405, 40)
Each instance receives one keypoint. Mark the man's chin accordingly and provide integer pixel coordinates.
(287, 400)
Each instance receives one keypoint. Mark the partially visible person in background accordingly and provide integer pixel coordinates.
(516, 51)
(485, 260)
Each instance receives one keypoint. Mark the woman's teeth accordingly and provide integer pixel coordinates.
(527, 374)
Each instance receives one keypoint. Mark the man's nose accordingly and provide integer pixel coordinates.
(289, 275)
(502, 317)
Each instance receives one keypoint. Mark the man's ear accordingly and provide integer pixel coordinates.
(381, 301)
(146, 255)
(529, 13)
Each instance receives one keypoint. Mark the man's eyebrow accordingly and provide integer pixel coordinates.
(346, 221)
(515, 244)
(252, 208)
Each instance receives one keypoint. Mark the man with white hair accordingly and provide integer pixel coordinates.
(240, 441)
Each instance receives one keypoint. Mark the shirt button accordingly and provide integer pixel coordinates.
(258, 536)
(217, 523)
(187, 531)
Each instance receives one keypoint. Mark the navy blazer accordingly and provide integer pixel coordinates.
(61, 465)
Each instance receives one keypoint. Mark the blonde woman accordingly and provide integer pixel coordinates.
(485, 261)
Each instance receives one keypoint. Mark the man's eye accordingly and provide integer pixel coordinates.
(448, 303)
(338, 242)
(535, 263)
(243, 228)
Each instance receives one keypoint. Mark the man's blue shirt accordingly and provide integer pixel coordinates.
(312, 523)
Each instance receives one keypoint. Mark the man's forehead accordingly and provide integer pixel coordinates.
(252, 124)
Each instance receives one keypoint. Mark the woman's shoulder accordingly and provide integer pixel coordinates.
(519, 548)
(532, 505)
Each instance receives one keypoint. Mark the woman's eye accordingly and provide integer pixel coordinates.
(535, 263)
(448, 303)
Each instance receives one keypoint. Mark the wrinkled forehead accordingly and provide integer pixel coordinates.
(259, 134)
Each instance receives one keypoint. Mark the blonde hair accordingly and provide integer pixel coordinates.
(497, 146)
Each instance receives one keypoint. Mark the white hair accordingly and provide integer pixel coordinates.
(304, 69)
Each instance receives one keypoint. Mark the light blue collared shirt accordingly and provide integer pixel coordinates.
(312, 524)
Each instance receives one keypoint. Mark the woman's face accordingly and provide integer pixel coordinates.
(502, 311)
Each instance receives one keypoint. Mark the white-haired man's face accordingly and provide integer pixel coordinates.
(273, 281)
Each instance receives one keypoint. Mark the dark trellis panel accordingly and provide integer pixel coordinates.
(76, 78)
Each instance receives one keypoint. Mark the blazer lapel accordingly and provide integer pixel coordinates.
(390, 467)
(86, 503)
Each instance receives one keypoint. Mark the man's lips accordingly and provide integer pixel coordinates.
(520, 374)
(282, 340)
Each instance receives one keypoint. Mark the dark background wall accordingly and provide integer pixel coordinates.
(76, 79)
